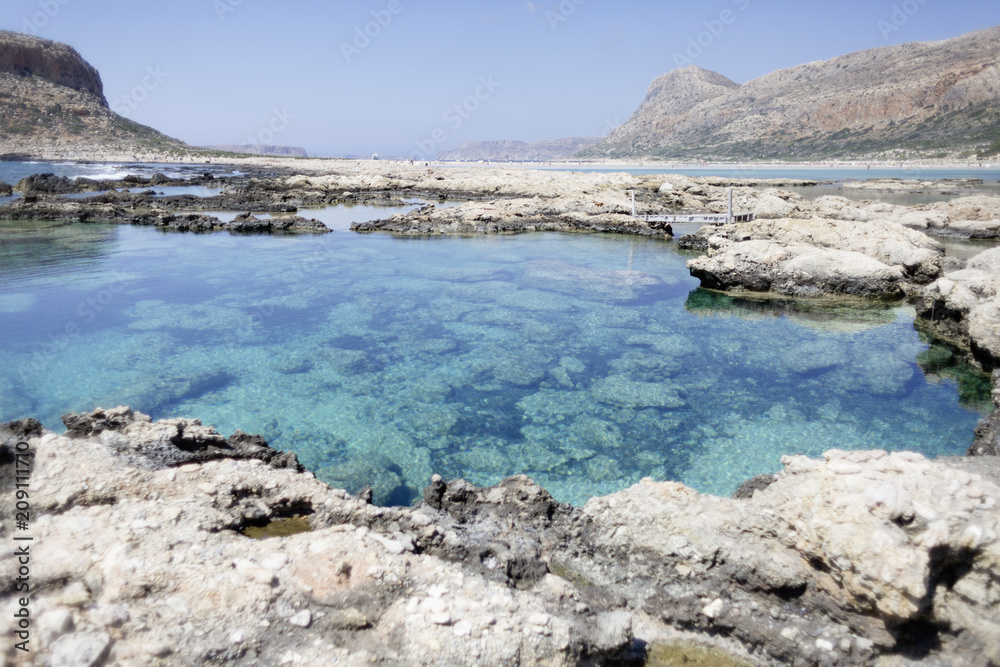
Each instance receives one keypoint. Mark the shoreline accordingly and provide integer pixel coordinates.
(145, 527)
(624, 164)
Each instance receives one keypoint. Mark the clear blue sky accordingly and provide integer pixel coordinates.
(555, 68)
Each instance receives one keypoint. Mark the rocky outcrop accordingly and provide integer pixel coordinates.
(26, 56)
(140, 553)
(814, 257)
(606, 212)
(72, 210)
(907, 99)
(976, 217)
(518, 151)
(963, 308)
(53, 105)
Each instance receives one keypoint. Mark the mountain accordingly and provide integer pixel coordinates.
(518, 151)
(919, 99)
(52, 105)
(257, 149)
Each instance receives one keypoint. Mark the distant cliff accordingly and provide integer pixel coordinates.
(920, 99)
(518, 151)
(257, 149)
(52, 104)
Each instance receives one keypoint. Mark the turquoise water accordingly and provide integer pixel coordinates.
(584, 361)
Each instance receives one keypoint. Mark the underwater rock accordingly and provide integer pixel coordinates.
(582, 281)
(618, 390)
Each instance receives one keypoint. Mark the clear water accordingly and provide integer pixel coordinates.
(584, 361)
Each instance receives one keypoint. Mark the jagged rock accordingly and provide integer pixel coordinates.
(837, 561)
(752, 486)
(964, 308)
(5, 190)
(170, 442)
(48, 184)
(987, 442)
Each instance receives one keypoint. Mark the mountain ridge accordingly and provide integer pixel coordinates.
(917, 98)
(508, 150)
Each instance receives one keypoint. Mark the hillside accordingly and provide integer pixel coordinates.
(920, 99)
(518, 151)
(52, 105)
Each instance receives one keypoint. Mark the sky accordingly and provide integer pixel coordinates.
(412, 77)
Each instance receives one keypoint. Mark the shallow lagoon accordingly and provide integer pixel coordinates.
(586, 362)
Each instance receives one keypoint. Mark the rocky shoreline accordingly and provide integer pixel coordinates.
(142, 554)
(139, 557)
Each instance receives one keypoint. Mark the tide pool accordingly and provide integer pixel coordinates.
(584, 361)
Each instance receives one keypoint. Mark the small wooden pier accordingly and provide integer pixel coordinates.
(703, 218)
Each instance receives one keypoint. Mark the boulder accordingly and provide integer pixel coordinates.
(802, 271)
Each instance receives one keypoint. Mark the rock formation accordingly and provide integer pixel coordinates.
(52, 104)
(919, 98)
(817, 257)
(141, 553)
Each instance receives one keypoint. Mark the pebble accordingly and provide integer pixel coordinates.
(80, 649)
(713, 608)
(303, 619)
(824, 645)
(442, 618)
(463, 629)
(237, 637)
(539, 619)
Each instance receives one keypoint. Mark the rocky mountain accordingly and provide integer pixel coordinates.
(919, 99)
(518, 151)
(52, 105)
(258, 149)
